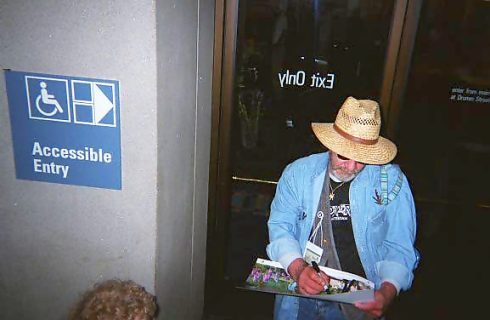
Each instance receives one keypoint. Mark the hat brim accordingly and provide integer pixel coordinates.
(382, 152)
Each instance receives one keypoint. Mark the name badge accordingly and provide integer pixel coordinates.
(312, 253)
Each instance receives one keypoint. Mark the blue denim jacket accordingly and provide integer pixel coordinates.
(384, 234)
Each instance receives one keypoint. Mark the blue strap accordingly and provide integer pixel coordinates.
(385, 196)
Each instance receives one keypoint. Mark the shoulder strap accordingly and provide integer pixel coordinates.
(388, 197)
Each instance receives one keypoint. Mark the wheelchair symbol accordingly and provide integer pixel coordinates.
(49, 102)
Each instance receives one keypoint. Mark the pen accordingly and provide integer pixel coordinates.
(315, 266)
(317, 269)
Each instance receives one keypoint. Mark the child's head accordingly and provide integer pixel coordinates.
(116, 300)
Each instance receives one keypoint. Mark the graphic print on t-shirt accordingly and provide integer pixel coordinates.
(340, 212)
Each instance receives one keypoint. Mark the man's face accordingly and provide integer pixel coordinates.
(344, 169)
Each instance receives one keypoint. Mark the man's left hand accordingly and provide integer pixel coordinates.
(382, 299)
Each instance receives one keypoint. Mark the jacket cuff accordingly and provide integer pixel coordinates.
(394, 273)
(284, 251)
(286, 260)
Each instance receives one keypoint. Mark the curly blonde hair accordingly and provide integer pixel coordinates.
(115, 300)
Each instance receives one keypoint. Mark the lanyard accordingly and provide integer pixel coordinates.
(319, 227)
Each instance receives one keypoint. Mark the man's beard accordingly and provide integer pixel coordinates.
(344, 175)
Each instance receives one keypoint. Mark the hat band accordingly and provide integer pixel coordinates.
(352, 138)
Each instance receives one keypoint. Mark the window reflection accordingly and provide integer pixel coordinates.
(296, 62)
(448, 98)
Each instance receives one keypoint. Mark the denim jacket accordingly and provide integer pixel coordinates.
(384, 233)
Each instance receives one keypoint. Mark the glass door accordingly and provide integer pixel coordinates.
(444, 146)
(285, 64)
(296, 62)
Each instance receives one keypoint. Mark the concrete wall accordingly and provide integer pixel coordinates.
(57, 240)
(184, 79)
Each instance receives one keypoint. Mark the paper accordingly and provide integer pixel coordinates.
(269, 276)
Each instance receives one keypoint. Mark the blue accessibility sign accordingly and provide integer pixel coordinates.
(65, 129)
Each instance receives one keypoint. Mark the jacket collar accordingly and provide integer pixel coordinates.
(322, 165)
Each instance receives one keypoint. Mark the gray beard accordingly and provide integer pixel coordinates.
(344, 179)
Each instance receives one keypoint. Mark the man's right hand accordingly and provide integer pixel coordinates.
(307, 279)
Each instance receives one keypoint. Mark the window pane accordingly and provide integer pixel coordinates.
(296, 62)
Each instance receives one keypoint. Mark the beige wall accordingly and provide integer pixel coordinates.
(56, 240)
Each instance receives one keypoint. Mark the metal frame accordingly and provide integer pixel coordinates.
(406, 14)
(226, 20)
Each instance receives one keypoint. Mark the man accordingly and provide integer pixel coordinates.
(371, 225)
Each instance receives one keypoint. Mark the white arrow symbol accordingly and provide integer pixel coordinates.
(102, 105)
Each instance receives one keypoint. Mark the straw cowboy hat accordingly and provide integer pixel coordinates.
(355, 133)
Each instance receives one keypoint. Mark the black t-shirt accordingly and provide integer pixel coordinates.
(340, 215)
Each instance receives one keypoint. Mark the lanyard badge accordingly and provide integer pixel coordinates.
(312, 251)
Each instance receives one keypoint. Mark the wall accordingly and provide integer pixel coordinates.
(184, 79)
(56, 240)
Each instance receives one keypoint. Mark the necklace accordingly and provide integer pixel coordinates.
(332, 191)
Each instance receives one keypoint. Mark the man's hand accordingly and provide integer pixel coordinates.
(382, 299)
(308, 280)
